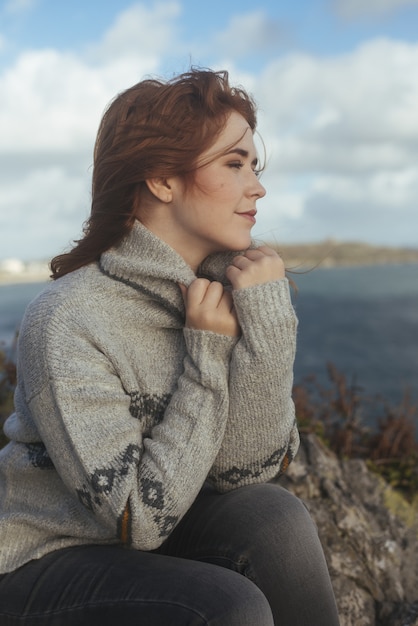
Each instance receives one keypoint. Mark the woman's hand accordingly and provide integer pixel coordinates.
(210, 307)
(254, 267)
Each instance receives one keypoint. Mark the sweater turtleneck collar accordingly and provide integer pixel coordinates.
(141, 257)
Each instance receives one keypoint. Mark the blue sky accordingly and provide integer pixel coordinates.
(336, 82)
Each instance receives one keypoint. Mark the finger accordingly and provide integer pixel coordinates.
(183, 290)
(214, 295)
(197, 290)
(226, 301)
(254, 253)
(241, 261)
(227, 304)
(231, 273)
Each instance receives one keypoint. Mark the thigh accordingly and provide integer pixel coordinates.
(104, 585)
(232, 526)
(265, 533)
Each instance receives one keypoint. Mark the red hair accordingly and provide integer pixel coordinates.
(155, 128)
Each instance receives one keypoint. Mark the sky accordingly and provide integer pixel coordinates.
(336, 83)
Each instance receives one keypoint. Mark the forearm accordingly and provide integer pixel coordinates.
(260, 437)
(136, 478)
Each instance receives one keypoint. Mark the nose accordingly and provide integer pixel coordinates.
(262, 190)
(258, 190)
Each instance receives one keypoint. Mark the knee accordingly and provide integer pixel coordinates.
(240, 603)
(272, 512)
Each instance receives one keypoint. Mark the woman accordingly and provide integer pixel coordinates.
(153, 402)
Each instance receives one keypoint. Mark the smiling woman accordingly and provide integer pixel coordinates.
(153, 404)
(218, 212)
(342, 127)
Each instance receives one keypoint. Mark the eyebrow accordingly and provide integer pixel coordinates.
(243, 153)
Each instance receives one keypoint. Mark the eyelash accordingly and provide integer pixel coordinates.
(238, 165)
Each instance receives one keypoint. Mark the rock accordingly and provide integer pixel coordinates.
(372, 553)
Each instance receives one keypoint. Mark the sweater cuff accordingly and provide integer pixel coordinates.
(266, 307)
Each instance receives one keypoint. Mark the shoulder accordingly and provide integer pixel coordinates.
(63, 321)
(73, 291)
(70, 307)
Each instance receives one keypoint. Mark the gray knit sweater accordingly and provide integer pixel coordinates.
(122, 414)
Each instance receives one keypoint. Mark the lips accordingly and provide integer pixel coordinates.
(250, 215)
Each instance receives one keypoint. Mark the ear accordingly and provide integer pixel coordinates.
(161, 188)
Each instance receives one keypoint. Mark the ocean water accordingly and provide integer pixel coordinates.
(14, 299)
(364, 320)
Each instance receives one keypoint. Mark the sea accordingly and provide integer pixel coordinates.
(362, 320)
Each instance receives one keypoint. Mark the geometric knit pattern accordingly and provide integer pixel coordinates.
(103, 480)
(236, 475)
(122, 413)
(148, 405)
(38, 455)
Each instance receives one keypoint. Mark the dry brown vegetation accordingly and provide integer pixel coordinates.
(336, 413)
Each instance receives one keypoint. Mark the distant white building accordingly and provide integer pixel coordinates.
(12, 266)
(17, 271)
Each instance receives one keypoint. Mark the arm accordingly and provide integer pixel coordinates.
(261, 437)
(135, 484)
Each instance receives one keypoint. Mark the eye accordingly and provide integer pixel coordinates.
(236, 164)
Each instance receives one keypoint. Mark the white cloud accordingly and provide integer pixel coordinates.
(53, 100)
(370, 94)
(358, 8)
(46, 103)
(341, 134)
(383, 189)
(141, 33)
(49, 111)
(43, 209)
(380, 204)
(248, 34)
(349, 113)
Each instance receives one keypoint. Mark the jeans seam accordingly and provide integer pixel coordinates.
(105, 603)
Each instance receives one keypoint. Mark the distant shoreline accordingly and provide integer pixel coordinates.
(345, 254)
(23, 277)
(323, 254)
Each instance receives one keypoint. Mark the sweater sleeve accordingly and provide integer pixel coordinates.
(135, 485)
(261, 436)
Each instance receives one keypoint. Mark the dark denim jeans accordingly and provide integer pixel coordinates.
(250, 557)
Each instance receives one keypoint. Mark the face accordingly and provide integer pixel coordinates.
(218, 211)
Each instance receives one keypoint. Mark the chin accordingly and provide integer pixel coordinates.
(233, 244)
(241, 244)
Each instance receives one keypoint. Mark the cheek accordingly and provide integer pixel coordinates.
(214, 188)
(212, 182)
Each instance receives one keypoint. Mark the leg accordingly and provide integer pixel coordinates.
(265, 533)
(107, 585)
